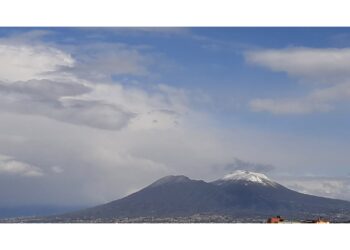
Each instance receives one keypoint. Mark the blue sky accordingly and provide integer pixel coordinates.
(135, 104)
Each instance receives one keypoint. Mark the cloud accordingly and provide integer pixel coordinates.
(289, 106)
(24, 56)
(102, 165)
(144, 108)
(317, 66)
(26, 62)
(93, 114)
(64, 96)
(102, 61)
(42, 90)
(41, 79)
(321, 186)
(323, 65)
(10, 166)
(250, 166)
(56, 100)
(102, 106)
(57, 169)
(318, 100)
(108, 137)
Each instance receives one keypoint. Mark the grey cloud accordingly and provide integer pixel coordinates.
(250, 166)
(94, 114)
(98, 166)
(56, 100)
(168, 111)
(102, 61)
(295, 106)
(43, 90)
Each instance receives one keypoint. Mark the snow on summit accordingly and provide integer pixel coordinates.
(243, 175)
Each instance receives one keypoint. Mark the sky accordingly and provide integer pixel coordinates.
(89, 115)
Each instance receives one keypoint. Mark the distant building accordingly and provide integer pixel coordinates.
(320, 220)
(277, 219)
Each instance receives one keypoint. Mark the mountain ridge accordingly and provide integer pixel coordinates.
(241, 192)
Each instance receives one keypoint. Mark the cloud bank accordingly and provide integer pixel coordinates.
(317, 67)
(94, 139)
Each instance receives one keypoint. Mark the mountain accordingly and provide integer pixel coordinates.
(255, 192)
(241, 193)
(169, 196)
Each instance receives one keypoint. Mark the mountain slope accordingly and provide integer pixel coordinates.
(255, 192)
(169, 196)
(238, 193)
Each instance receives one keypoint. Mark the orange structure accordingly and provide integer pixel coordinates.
(277, 219)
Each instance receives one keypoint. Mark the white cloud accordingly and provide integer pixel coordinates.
(326, 66)
(323, 65)
(21, 62)
(41, 79)
(8, 165)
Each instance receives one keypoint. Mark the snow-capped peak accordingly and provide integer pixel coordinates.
(243, 175)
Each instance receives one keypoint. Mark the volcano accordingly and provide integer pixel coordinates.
(241, 193)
